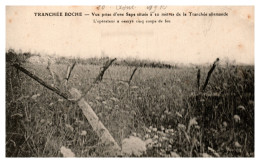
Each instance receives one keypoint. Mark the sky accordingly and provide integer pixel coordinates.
(185, 39)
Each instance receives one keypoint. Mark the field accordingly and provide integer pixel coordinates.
(160, 114)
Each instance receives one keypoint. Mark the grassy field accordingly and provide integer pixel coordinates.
(162, 107)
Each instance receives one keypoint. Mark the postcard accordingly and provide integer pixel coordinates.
(130, 81)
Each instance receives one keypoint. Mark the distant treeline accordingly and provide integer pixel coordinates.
(12, 55)
(119, 62)
(18, 57)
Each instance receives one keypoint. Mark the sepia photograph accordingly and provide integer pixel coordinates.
(130, 81)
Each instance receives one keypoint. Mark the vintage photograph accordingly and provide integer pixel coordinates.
(130, 81)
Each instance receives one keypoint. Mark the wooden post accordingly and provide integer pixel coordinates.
(209, 74)
(94, 121)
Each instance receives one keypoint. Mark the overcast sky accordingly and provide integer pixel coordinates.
(185, 40)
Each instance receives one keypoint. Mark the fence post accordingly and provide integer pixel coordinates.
(94, 121)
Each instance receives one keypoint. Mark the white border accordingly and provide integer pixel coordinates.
(3, 3)
(129, 2)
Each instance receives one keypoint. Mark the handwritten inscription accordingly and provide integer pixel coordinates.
(151, 8)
